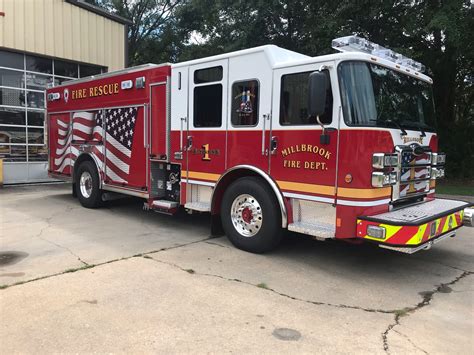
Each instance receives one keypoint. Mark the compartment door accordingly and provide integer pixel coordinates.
(59, 141)
(159, 122)
(126, 147)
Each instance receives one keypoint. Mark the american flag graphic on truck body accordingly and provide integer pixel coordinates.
(415, 173)
(88, 127)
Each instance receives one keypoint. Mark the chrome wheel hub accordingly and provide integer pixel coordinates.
(85, 184)
(246, 215)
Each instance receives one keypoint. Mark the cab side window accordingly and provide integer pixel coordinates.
(245, 103)
(207, 106)
(294, 100)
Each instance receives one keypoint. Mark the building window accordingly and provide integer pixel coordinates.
(38, 81)
(11, 60)
(294, 100)
(39, 64)
(36, 118)
(245, 103)
(12, 97)
(12, 78)
(16, 135)
(208, 106)
(12, 116)
(66, 69)
(88, 70)
(23, 81)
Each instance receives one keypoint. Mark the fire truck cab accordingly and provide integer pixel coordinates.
(265, 139)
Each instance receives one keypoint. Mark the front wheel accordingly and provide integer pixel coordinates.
(87, 185)
(251, 216)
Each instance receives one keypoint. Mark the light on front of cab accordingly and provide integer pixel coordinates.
(357, 44)
(376, 232)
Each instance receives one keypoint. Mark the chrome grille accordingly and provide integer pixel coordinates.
(414, 172)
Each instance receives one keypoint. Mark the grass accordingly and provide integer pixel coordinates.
(452, 187)
(263, 285)
(190, 271)
(402, 312)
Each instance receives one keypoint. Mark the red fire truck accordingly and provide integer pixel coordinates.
(265, 139)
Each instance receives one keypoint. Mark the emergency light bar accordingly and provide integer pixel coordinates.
(357, 44)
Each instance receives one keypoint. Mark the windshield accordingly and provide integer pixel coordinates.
(373, 95)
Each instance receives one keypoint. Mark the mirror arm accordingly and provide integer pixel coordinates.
(321, 124)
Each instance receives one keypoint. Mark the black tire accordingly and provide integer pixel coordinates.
(94, 200)
(263, 237)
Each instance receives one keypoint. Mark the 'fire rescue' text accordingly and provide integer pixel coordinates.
(99, 90)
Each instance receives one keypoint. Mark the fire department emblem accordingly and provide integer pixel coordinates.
(66, 95)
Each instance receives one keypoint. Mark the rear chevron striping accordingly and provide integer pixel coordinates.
(390, 230)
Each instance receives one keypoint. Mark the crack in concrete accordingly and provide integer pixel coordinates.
(265, 287)
(427, 298)
(219, 245)
(410, 341)
(90, 266)
(48, 221)
(453, 267)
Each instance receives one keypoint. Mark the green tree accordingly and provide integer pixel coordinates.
(436, 32)
(152, 34)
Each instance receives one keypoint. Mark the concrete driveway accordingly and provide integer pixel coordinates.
(120, 279)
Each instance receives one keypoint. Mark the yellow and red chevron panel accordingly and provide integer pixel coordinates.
(411, 235)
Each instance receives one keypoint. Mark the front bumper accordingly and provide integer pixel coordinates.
(413, 226)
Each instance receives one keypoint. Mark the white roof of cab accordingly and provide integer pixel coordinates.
(280, 58)
(276, 56)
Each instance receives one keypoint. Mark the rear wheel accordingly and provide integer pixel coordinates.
(251, 216)
(87, 185)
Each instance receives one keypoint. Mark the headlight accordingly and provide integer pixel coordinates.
(380, 179)
(376, 232)
(382, 160)
(438, 158)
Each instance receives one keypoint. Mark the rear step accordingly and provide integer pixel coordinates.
(198, 206)
(165, 204)
(162, 206)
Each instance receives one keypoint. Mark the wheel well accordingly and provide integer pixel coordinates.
(82, 158)
(235, 173)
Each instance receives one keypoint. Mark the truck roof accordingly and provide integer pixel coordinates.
(276, 55)
(113, 73)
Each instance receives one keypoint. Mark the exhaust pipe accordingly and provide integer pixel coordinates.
(468, 219)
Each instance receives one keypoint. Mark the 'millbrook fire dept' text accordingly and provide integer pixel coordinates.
(305, 148)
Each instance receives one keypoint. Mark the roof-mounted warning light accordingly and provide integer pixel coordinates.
(357, 44)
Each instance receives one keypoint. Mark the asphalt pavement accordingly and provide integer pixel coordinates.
(120, 279)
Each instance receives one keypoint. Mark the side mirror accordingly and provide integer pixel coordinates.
(317, 100)
(317, 93)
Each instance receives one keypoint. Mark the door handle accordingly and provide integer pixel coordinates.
(273, 145)
(265, 118)
(183, 120)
